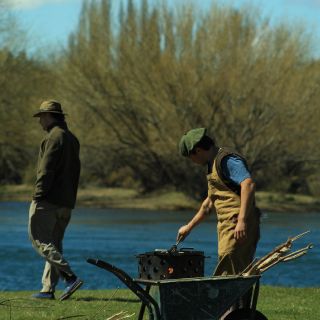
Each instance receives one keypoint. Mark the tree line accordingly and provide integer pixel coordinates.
(134, 82)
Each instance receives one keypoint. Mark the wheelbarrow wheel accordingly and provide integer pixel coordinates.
(245, 314)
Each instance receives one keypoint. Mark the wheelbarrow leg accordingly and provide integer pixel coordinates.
(255, 295)
(250, 298)
(143, 305)
(252, 306)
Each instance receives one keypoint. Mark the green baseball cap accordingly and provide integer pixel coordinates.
(51, 106)
(190, 139)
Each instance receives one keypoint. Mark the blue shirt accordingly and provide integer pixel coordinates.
(234, 169)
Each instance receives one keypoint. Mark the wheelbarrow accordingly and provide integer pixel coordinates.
(200, 298)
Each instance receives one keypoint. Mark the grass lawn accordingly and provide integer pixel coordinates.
(162, 199)
(111, 198)
(276, 303)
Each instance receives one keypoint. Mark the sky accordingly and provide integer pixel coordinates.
(49, 22)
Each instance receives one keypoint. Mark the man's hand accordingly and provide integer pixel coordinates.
(183, 232)
(240, 232)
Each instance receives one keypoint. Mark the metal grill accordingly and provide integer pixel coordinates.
(162, 264)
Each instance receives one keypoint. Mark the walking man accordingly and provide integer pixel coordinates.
(54, 198)
(231, 192)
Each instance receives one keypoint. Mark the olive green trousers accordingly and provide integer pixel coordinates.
(47, 225)
(233, 263)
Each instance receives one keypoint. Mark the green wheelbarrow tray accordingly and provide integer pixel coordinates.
(203, 298)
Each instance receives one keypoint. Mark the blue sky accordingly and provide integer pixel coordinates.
(49, 22)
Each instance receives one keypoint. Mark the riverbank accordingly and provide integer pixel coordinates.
(276, 303)
(163, 199)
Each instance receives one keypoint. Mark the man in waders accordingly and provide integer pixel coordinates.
(54, 198)
(231, 193)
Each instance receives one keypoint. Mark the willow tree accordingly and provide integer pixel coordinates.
(22, 81)
(137, 83)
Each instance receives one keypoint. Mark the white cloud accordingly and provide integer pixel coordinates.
(28, 4)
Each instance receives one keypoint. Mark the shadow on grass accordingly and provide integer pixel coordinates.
(26, 303)
(88, 299)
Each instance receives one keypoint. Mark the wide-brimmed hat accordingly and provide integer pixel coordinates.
(190, 139)
(49, 106)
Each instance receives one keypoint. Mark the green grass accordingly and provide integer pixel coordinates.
(163, 199)
(112, 198)
(277, 303)
(84, 304)
(281, 202)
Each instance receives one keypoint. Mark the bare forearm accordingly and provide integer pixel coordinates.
(247, 197)
(199, 216)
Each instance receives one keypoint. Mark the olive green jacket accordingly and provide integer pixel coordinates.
(58, 167)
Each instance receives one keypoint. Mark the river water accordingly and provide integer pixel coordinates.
(118, 235)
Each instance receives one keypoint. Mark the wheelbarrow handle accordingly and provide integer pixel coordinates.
(144, 296)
